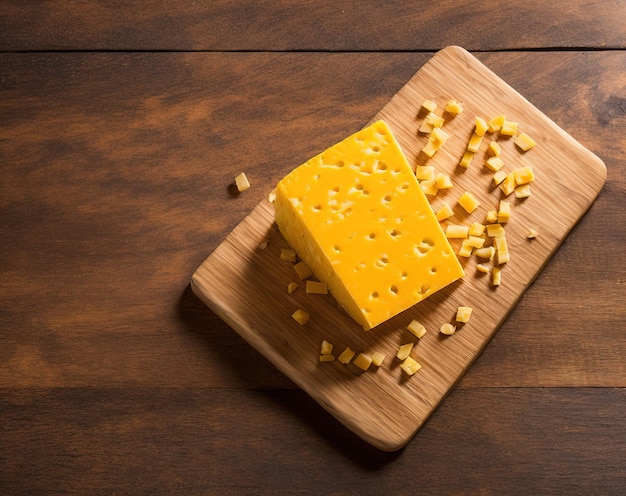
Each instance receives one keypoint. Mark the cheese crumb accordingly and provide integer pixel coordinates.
(496, 277)
(242, 183)
(316, 287)
(327, 358)
(532, 233)
(504, 214)
(496, 123)
(410, 366)
(346, 356)
(417, 329)
(302, 270)
(447, 329)
(481, 126)
(524, 142)
(508, 185)
(494, 163)
(494, 149)
(482, 268)
(287, 255)
(466, 159)
(377, 358)
(474, 143)
(463, 314)
(425, 172)
(444, 212)
(326, 348)
(509, 128)
(429, 105)
(291, 287)
(468, 202)
(522, 191)
(455, 231)
(363, 361)
(454, 107)
(404, 351)
(300, 316)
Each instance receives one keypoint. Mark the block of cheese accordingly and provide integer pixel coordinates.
(356, 215)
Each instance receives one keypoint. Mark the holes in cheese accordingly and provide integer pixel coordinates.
(383, 238)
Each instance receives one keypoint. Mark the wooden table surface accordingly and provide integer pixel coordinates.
(122, 126)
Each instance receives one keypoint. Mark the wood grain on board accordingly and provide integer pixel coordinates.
(244, 281)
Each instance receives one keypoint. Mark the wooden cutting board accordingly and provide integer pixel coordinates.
(244, 281)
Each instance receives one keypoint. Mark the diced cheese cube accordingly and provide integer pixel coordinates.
(291, 287)
(466, 249)
(434, 120)
(363, 361)
(466, 159)
(496, 276)
(496, 123)
(499, 176)
(491, 217)
(508, 128)
(444, 212)
(494, 163)
(300, 316)
(442, 181)
(425, 127)
(440, 135)
(327, 358)
(327, 348)
(474, 143)
(523, 175)
(288, 255)
(475, 241)
(429, 105)
(494, 149)
(431, 147)
(353, 244)
(454, 107)
(487, 252)
(495, 230)
(417, 329)
(508, 185)
(504, 214)
(468, 202)
(425, 173)
(502, 250)
(377, 358)
(410, 366)
(316, 287)
(532, 233)
(429, 187)
(455, 231)
(482, 268)
(463, 314)
(302, 270)
(447, 329)
(522, 191)
(241, 182)
(524, 142)
(480, 127)
(404, 351)
(346, 356)
(476, 229)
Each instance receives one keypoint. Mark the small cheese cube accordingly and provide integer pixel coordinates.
(429, 187)
(496, 277)
(444, 212)
(425, 128)
(288, 255)
(466, 159)
(291, 287)
(327, 358)
(442, 181)
(491, 217)
(494, 163)
(496, 123)
(242, 183)
(498, 177)
(482, 268)
(327, 348)
(300, 316)
(434, 120)
(454, 107)
(447, 329)
(476, 229)
(468, 202)
(522, 191)
(316, 287)
(480, 127)
(466, 249)
(523, 175)
(429, 105)
(425, 172)
(504, 214)
(487, 252)
(440, 135)
(494, 149)
(532, 233)
(455, 231)
(475, 241)
(508, 128)
(302, 270)
(404, 351)
(346, 356)
(377, 358)
(363, 361)
(463, 314)
(508, 185)
(524, 142)
(271, 196)
(495, 230)
(502, 250)
(474, 143)
(410, 366)
(417, 329)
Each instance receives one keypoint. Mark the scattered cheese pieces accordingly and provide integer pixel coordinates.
(316, 287)
(291, 287)
(455, 231)
(509, 128)
(487, 252)
(363, 361)
(482, 268)
(508, 185)
(463, 314)
(300, 316)
(468, 202)
(504, 214)
(404, 351)
(466, 249)
(454, 107)
(476, 229)
(522, 191)
(444, 212)
(429, 105)
(466, 159)
(523, 175)
(377, 358)
(495, 230)
(492, 216)
(326, 348)
(442, 181)
(410, 366)
(474, 143)
(481, 126)
(494, 163)
(327, 358)
(302, 270)
(532, 233)
(425, 172)
(346, 356)
(524, 142)
(494, 149)
(496, 123)
(417, 329)
(436, 140)
(287, 254)
(499, 176)
(496, 276)
(242, 183)
(502, 250)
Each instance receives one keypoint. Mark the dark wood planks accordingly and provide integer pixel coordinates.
(310, 25)
(205, 441)
(107, 209)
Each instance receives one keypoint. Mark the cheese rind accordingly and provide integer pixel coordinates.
(356, 215)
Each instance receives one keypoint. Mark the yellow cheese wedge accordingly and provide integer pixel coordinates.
(356, 215)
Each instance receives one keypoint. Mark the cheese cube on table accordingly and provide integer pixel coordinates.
(356, 215)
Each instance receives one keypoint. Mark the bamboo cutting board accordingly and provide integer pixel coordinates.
(245, 282)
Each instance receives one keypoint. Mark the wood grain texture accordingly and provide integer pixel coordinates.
(161, 441)
(108, 208)
(244, 280)
(311, 25)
